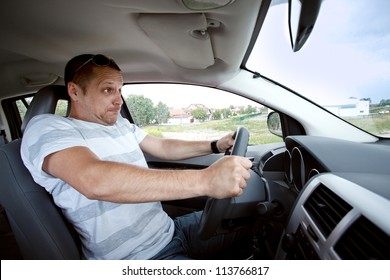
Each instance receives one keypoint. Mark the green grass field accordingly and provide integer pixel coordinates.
(377, 125)
(259, 134)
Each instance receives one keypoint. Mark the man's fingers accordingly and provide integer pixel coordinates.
(246, 163)
(229, 176)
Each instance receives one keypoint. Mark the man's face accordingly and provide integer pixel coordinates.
(102, 101)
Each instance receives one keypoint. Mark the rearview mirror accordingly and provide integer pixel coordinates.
(302, 15)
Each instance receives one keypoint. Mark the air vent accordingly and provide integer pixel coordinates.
(364, 241)
(326, 209)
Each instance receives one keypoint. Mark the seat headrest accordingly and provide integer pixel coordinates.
(45, 102)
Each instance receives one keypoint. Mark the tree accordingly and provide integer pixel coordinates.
(162, 113)
(232, 110)
(248, 110)
(227, 113)
(141, 109)
(384, 102)
(62, 107)
(199, 114)
(217, 114)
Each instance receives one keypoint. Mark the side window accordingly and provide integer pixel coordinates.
(15, 109)
(195, 113)
(62, 108)
(23, 103)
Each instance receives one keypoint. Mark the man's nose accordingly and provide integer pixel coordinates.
(118, 99)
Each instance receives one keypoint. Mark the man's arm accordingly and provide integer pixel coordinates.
(173, 149)
(119, 182)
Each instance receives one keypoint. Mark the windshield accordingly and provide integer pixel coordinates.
(344, 65)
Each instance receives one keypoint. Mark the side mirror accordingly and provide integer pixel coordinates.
(274, 124)
(302, 15)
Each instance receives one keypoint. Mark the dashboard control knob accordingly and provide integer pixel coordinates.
(289, 243)
(268, 208)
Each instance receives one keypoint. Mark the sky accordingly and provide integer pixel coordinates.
(347, 54)
(173, 95)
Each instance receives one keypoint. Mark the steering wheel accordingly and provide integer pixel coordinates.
(215, 209)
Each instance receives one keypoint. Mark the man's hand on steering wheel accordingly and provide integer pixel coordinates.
(228, 176)
(228, 179)
(226, 143)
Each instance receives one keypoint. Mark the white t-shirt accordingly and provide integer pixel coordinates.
(107, 230)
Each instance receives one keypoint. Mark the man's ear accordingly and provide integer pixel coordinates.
(73, 91)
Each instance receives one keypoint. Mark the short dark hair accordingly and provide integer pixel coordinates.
(79, 69)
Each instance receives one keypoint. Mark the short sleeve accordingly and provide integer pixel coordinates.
(139, 134)
(46, 134)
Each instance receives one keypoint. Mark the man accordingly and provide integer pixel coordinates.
(92, 164)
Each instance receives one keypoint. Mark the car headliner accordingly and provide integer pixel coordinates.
(151, 40)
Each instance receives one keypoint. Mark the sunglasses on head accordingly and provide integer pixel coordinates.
(98, 60)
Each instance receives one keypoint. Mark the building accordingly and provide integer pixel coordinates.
(350, 107)
(183, 115)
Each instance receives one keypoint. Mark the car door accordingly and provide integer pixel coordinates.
(190, 112)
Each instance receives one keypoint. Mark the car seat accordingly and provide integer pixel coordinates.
(40, 229)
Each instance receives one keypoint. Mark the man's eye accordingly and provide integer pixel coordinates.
(107, 90)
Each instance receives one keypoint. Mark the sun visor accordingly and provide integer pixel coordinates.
(183, 38)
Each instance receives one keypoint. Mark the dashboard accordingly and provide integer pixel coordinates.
(313, 197)
(342, 198)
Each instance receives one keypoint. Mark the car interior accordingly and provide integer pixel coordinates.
(321, 192)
